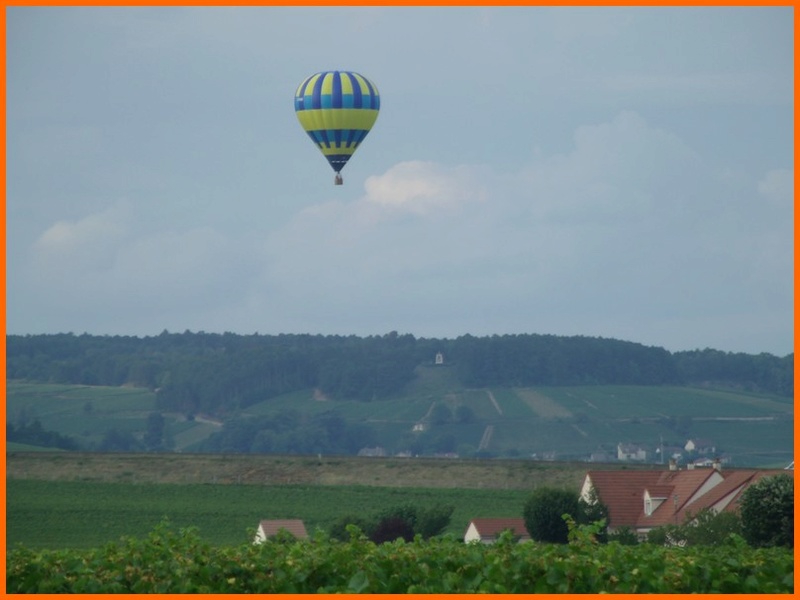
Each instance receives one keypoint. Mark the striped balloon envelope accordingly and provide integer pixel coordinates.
(337, 109)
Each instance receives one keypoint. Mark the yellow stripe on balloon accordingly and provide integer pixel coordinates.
(310, 82)
(337, 118)
(338, 150)
(362, 83)
(347, 85)
(327, 84)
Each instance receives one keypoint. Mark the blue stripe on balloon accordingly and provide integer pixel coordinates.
(301, 90)
(338, 161)
(357, 99)
(350, 138)
(314, 138)
(372, 95)
(337, 90)
(316, 93)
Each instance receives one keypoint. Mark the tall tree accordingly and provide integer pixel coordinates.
(154, 434)
(543, 513)
(767, 510)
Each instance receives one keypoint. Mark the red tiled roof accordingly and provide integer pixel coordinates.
(685, 485)
(683, 493)
(294, 526)
(622, 492)
(734, 483)
(660, 491)
(760, 475)
(492, 527)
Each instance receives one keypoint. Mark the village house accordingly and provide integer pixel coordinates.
(486, 530)
(644, 500)
(270, 528)
(631, 452)
(699, 446)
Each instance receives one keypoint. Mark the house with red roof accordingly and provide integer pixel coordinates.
(644, 500)
(486, 530)
(270, 528)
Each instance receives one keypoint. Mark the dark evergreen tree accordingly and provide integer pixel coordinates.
(767, 509)
(544, 511)
(154, 434)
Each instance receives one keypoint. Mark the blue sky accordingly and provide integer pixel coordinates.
(615, 172)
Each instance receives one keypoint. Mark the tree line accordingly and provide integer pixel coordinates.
(218, 374)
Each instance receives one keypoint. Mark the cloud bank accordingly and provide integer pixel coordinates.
(629, 234)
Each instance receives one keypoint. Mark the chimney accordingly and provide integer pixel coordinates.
(717, 465)
(673, 464)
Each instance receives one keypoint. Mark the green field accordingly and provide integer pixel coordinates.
(568, 423)
(76, 514)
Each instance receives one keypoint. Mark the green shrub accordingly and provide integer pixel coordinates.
(707, 528)
(543, 513)
(170, 562)
(624, 535)
(767, 509)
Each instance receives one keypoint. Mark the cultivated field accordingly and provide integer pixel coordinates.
(296, 470)
(568, 423)
(81, 500)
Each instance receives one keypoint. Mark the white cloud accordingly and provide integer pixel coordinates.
(88, 244)
(111, 262)
(423, 188)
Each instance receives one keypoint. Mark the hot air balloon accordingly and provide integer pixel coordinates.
(337, 109)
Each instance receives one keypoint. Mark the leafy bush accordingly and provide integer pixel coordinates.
(403, 521)
(170, 561)
(768, 512)
(707, 528)
(543, 513)
(624, 535)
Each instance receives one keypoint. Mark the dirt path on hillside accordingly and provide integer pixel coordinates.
(486, 438)
(494, 401)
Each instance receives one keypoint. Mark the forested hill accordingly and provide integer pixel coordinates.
(217, 374)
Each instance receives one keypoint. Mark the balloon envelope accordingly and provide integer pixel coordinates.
(337, 109)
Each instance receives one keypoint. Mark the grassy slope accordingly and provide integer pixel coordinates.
(570, 421)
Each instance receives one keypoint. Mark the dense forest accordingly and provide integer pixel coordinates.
(218, 374)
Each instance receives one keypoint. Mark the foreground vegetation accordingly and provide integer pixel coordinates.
(170, 561)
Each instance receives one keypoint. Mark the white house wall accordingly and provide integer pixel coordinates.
(586, 489)
(260, 535)
(472, 534)
(714, 479)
